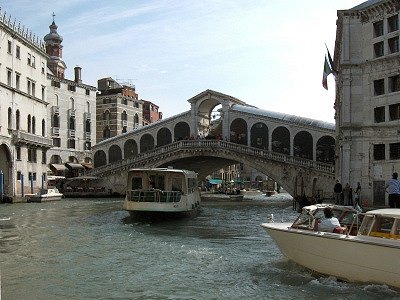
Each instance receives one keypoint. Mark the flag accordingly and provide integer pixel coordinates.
(334, 71)
(327, 71)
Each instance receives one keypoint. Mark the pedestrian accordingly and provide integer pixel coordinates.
(393, 189)
(357, 195)
(347, 194)
(337, 189)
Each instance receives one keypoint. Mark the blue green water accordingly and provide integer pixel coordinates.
(90, 249)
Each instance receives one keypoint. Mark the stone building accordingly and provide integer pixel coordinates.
(71, 110)
(150, 113)
(24, 140)
(118, 109)
(367, 100)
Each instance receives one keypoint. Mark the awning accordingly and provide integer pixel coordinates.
(88, 166)
(57, 167)
(215, 181)
(73, 166)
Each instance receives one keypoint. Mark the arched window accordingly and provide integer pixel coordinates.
(9, 118)
(106, 115)
(56, 97)
(136, 121)
(17, 119)
(33, 125)
(88, 106)
(29, 123)
(124, 116)
(43, 127)
(56, 120)
(72, 103)
(87, 126)
(106, 132)
(71, 123)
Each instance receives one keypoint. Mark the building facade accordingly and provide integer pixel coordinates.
(151, 113)
(367, 100)
(118, 109)
(71, 111)
(24, 141)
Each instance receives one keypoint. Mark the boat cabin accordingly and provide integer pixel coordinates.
(160, 184)
(383, 223)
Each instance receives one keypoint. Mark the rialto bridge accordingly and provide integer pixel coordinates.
(298, 153)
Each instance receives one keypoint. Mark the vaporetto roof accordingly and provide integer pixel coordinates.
(284, 117)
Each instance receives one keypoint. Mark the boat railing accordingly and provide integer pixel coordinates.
(153, 196)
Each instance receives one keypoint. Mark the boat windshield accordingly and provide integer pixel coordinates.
(382, 226)
(305, 219)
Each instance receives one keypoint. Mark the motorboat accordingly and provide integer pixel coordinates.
(51, 194)
(162, 191)
(369, 252)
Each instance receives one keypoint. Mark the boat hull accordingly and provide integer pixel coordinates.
(349, 258)
(39, 199)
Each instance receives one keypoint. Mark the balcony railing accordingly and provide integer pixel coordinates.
(55, 110)
(55, 130)
(30, 138)
(124, 123)
(87, 116)
(71, 112)
(87, 136)
(71, 133)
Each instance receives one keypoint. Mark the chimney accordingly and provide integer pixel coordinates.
(78, 74)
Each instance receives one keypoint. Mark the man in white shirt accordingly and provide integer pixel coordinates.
(393, 189)
(330, 223)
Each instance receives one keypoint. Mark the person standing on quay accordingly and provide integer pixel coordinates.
(393, 189)
(337, 189)
(357, 195)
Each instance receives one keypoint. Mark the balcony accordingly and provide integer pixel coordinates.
(55, 131)
(87, 136)
(71, 113)
(124, 123)
(30, 138)
(55, 110)
(87, 116)
(71, 133)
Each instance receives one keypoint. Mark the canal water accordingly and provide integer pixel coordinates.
(91, 249)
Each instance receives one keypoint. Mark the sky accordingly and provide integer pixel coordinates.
(267, 53)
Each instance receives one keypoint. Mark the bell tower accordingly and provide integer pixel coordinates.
(54, 49)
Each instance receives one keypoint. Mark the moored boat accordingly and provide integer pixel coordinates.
(369, 254)
(46, 195)
(162, 192)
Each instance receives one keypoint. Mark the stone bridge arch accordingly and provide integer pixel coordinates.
(297, 175)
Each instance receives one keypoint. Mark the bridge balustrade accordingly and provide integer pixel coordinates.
(217, 145)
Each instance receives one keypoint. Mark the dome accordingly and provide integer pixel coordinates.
(53, 36)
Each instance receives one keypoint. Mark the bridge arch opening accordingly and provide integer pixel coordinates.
(303, 145)
(325, 151)
(281, 140)
(259, 136)
(130, 148)
(238, 131)
(114, 154)
(181, 131)
(146, 142)
(100, 158)
(164, 137)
